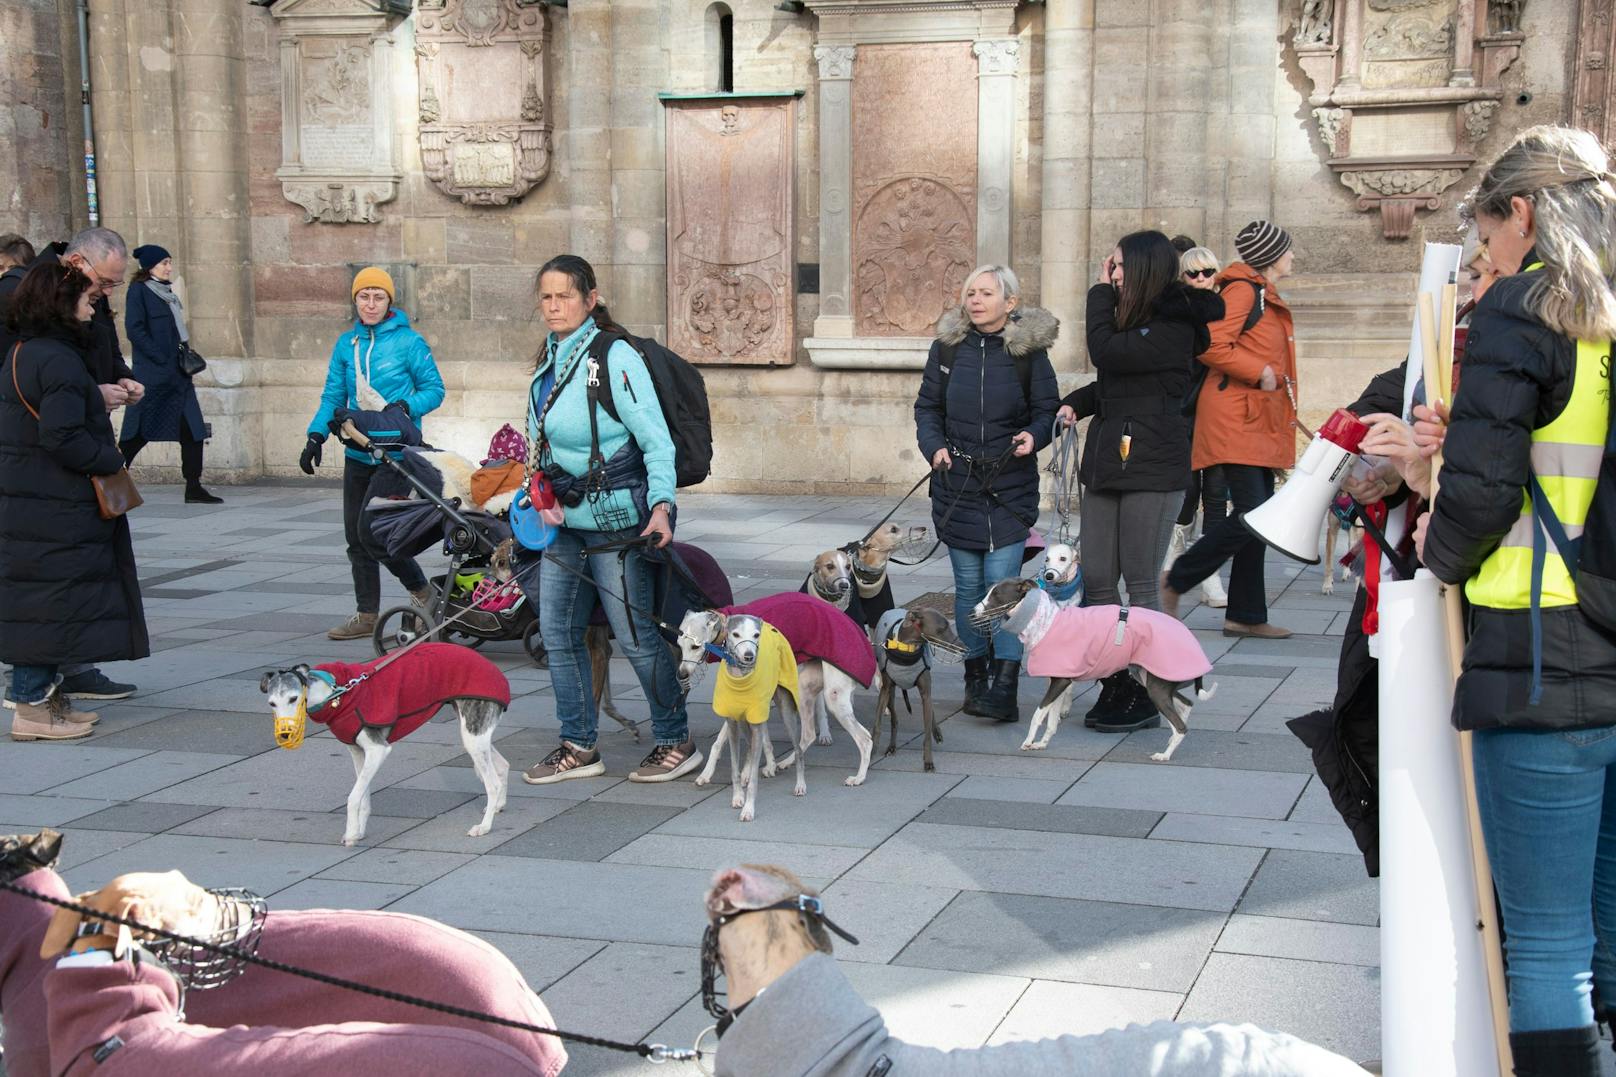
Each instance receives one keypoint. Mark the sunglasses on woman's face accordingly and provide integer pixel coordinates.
(1200, 272)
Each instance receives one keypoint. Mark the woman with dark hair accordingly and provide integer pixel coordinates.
(615, 477)
(68, 587)
(1145, 328)
(154, 321)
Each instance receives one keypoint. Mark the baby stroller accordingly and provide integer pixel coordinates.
(468, 606)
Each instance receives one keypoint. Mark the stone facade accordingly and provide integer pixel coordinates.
(921, 137)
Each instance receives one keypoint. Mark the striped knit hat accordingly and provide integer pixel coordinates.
(1262, 243)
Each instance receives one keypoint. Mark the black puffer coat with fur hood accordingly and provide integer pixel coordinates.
(985, 407)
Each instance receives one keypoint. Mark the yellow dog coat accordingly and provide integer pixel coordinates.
(747, 697)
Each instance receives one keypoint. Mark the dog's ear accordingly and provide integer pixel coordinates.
(750, 886)
(302, 671)
(1025, 585)
(263, 682)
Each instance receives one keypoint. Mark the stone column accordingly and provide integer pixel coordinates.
(1464, 44)
(835, 190)
(1351, 44)
(1068, 70)
(39, 120)
(997, 60)
(638, 159)
(586, 141)
(1177, 186)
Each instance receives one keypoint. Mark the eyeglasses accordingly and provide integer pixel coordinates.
(1200, 272)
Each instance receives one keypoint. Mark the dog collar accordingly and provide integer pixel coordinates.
(330, 681)
(1062, 592)
(865, 575)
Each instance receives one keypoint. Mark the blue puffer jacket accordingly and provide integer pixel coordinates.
(985, 409)
(399, 365)
(567, 425)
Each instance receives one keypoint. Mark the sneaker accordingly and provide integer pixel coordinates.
(567, 761)
(1262, 631)
(667, 762)
(39, 721)
(93, 684)
(423, 598)
(359, 626)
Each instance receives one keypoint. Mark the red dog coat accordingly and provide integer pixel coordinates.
(405, 694)
(815, 629)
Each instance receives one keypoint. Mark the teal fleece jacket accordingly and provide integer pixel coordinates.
(400, 367)
(567, 425)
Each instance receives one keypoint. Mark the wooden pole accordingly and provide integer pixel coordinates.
(1437, 336)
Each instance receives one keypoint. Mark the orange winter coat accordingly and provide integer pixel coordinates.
(1236, 422)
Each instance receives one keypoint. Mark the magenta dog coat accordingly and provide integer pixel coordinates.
(404, 695)
(1081, 643)
(815, 629)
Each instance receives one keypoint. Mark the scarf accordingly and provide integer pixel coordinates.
(163, 290)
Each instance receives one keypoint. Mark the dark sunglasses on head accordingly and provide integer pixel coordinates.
(1200, 272)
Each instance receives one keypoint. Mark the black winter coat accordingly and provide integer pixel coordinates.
(169, 405)
(1518, 376)
(68, 586)
(1144, 374)
(986, 407)
(105, 354)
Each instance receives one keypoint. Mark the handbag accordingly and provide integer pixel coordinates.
(115, 494)
(191, 361)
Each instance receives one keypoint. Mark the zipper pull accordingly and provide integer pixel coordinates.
(632, 395)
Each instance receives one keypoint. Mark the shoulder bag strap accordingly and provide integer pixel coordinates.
(16, 351)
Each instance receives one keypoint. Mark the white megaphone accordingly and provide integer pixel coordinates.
(1290, 520)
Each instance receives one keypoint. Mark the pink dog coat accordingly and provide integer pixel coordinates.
(407, 693)
(815, 629)
(1081, 642)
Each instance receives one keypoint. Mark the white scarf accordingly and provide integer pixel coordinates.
(367, 398)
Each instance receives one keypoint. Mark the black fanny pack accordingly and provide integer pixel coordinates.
(624, 471)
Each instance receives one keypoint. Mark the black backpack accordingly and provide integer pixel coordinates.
(1590, 558)
(681, 392)
(1198, 377)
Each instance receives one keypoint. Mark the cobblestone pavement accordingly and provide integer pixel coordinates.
(1007, 895)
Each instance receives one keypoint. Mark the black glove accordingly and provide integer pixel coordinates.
(311, 454)
(403, 405)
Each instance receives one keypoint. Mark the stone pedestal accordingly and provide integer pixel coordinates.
(835, 180)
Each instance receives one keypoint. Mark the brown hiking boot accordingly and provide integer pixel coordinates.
(359, 626)
(423, 598)
(1262, 631)
(39, 721)
(567, 761)
(61, 706)
(667, 762)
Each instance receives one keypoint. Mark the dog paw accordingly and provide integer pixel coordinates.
(746, 814)
(801, 790)
(824, 738)
(928, 767)
(769, 772)
(1328, 587)
(354, 840)
(737, 800)
(1160, 757)
(853, 779)
(891, 751)
(478, 831)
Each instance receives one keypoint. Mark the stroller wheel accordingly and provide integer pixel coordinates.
(399, 627)
(533, 644)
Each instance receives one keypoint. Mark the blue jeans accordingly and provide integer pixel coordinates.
(32, 684)
(565, 604)
(974, 572)
(1548, 813)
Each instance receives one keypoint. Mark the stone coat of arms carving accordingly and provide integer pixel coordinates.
(485, 138)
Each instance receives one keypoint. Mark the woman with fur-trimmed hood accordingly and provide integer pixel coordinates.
(986, 406)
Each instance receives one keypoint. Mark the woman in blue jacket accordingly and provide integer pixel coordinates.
(616, 479)
(986, 406)
(380, 362)
(155, 324)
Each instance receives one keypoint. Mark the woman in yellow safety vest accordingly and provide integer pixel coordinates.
(1522, 452)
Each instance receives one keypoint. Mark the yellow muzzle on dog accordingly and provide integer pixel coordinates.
(289, 729)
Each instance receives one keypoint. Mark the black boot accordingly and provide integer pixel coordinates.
(1109, 705)
(1000, 701)
(976, 683)
(195, 494)
(1134, 710)
(1559, 1052)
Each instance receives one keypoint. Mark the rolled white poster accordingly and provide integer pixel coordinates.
(1436, 1016)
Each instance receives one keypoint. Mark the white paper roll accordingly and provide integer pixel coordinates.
(1436, 1017)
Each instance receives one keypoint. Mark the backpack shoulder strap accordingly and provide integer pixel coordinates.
(1024, 373)
(945, 370)
(1258, 306)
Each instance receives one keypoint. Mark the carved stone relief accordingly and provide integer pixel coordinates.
(338, 156)
(484, 137)
(914, 184)
(731, 179)
(1594, 91)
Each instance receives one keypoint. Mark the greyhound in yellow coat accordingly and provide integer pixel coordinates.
(758, 669)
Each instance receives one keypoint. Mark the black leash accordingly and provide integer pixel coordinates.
(653, 1052)
(987, 475)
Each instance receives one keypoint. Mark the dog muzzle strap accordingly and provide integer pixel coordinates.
(809, 909)
(289, 728)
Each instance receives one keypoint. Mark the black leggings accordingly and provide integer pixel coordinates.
(190, 454)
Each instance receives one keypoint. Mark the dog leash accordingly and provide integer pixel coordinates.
(1064, 464)
(984, 480)
(651, 1052)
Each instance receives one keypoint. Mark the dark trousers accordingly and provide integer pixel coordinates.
(190, 454)
(364, 554)
(1208, 490)
(1228, 540)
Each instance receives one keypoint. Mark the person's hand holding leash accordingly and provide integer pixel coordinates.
(1376, 483)
(311, 454)
(659, 527)
(133, 388)
(942, 461)
(114, 396)
(1022, 443)
(1066, 416)
(1392, 438)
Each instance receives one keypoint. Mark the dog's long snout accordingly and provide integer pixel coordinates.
(1050, 575)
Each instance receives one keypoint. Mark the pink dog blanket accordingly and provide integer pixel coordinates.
(406, 694)
(815, 629)
(1081, 643)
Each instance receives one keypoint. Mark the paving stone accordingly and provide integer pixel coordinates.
(447, 833)
(672, 850)
(325, 893)
(149, 773)
(1093, 867)
(1208, 790)
(588, 831)
(679, 794)
(1061, 939)
(1245, 750)
(626, 990)
(1307, 940)
(1314, 805)
(301, 623)
(464, 780)
(319, 828)
(1025, 790)
(221, 693)
(225, 732)
(1058, 819)
(883, 916)
(945, 1010)
(542, 959)
(1261, 833)
(31, 767)
(571, 898)
(1313, 886)
(83, 846)
(418, 803)
(51, 810)
(264, 866)
(1334, 1006)
(1072, 741)
(1034, 765)
(1050, 1008)
(412, 866)
(143, 816)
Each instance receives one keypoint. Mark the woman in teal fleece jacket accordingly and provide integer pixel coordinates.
(623, 494)
(378, 363)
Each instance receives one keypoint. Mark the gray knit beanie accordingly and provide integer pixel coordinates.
(1262, 243)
